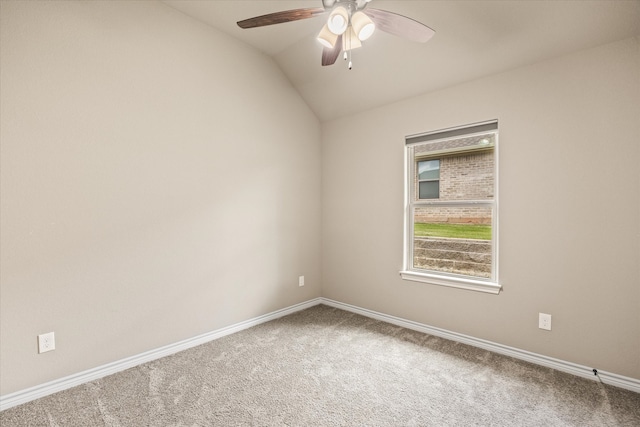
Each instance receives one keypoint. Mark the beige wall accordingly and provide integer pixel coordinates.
(569, 211)
(159, 180)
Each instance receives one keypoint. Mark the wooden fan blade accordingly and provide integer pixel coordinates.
(281, 17)
(399, 25)
(329, 56)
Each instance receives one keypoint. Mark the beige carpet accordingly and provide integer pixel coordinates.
(327, 367)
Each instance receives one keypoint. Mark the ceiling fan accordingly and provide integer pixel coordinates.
(349, 23)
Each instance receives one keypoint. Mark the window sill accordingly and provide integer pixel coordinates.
(453, 282)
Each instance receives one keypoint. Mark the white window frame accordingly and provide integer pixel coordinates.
(490, 285)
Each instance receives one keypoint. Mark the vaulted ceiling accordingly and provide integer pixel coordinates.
(473, 39)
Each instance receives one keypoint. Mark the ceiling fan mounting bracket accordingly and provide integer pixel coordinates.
(350, 5)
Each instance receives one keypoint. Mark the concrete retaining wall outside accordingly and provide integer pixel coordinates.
(460, 256)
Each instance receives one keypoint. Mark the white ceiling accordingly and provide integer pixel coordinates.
(473, 39)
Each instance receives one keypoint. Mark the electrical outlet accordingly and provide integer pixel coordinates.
(301, 281)
(46, 342)
(544, 321)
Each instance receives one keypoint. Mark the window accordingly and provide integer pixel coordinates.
(429, 179)
(451, 208)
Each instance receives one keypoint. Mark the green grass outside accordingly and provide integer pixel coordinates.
(458, 231)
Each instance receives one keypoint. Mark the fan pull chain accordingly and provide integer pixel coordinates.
(347, 52)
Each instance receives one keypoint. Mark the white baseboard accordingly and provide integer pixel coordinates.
(33, 393)
(538, 359)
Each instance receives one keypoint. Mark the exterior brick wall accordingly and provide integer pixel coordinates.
(454, 214)
(467, 177)
(463, 177)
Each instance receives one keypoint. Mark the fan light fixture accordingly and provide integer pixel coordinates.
(353, 27)
(362, 25)
(338, 20)
(350, 40)
(327, 38)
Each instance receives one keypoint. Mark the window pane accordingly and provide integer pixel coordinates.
(453, 239)
(429, 189)
(429, 169)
